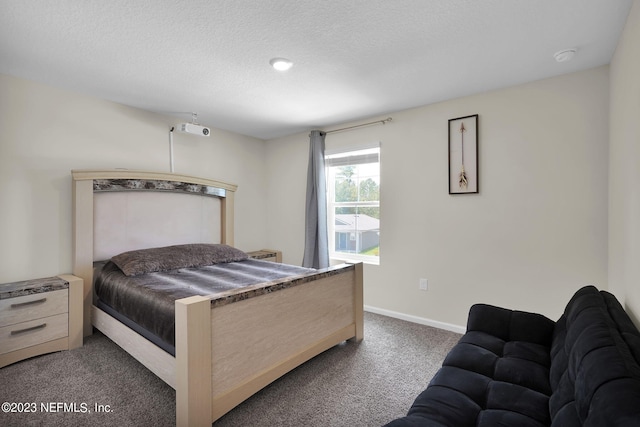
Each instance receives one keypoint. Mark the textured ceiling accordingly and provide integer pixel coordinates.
(352, 59)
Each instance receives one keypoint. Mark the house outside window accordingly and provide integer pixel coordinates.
(353, 204)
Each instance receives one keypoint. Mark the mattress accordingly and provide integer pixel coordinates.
(148, 300)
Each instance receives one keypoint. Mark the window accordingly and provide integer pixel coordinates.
(353, 203)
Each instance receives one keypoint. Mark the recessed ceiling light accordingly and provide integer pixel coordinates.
(281, 64)
(565, 55)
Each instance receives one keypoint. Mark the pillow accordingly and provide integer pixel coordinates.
(166, 258)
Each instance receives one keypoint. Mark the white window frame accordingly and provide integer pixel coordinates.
(331, 207)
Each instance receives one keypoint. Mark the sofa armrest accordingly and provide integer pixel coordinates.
(511, 325)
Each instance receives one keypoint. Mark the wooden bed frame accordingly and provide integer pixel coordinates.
(229, 347)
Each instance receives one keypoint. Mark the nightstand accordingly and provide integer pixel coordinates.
(266, 255)
(40, 316)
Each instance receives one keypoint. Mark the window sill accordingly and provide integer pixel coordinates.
(341, 258)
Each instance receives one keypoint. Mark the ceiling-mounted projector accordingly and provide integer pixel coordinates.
(193, 129)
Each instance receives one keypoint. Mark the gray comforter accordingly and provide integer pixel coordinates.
(148, 299)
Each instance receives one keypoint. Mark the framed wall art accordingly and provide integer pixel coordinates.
(463, 155)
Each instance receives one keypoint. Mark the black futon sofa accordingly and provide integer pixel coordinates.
(520, 369)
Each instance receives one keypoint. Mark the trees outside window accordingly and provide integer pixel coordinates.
(353, 187)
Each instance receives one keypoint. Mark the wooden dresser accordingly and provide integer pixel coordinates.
(40, 316)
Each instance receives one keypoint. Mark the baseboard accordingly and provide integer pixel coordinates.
(415, 319)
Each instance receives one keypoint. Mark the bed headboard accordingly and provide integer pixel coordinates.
(116, 210)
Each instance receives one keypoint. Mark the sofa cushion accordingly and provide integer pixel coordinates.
(530, 407)
(514, 368)
(511, 325)
(593, 357)
(443, 406)
(496, 375)
(522, 372)
(470, 384)
(473, 358)
(497, 418)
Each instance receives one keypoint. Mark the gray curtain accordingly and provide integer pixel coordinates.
(316, 244)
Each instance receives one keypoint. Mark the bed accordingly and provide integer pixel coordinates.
(228, 344)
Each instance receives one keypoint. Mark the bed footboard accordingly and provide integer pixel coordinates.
(255, 341)
(193, 361)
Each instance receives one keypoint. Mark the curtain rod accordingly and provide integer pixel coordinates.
(384, 121)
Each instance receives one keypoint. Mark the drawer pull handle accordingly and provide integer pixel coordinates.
(22, 304)
(33, 328)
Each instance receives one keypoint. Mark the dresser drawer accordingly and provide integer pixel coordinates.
(27, 334)
(36, 306)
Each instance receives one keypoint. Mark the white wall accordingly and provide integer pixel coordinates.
(46, 132)
(624, 165)
(536, 232)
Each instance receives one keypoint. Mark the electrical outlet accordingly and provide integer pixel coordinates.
(423, 285)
